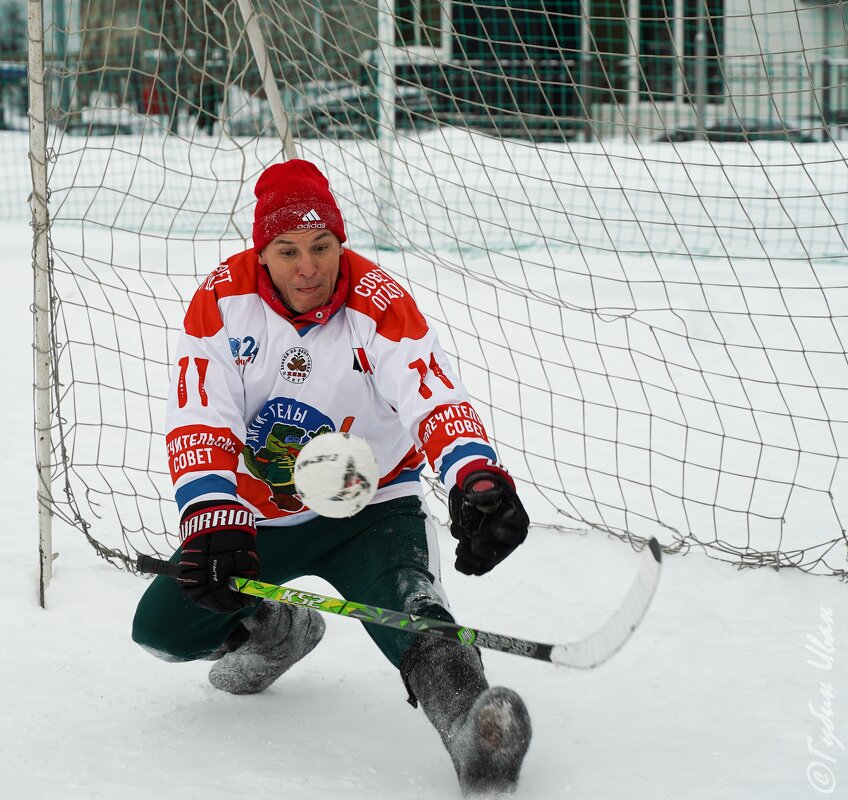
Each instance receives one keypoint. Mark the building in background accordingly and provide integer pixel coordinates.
(13, 54)
(554, 69)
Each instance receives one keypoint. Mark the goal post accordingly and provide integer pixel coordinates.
(267, 75)
(627, 219)
(43, 362)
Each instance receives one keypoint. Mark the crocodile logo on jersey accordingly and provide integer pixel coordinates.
(273, 442)
(296, 364)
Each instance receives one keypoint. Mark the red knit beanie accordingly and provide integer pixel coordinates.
(293, 196)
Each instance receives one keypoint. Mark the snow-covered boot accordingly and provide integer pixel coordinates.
(486, 730)
(272, 640)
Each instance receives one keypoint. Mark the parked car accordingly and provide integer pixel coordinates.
(345, 110)
(743, 130)
(105, 121)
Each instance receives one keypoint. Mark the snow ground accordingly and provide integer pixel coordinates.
(717, 694)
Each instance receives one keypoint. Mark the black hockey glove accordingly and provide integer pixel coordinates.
(487, 518)
(219, 542)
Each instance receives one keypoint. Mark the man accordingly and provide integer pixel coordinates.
(283, 342)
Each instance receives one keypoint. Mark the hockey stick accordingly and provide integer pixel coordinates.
(585, 653)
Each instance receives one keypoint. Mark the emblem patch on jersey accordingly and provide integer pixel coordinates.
(244, 350)
(274, 440)
(360, 360)
(296, 364)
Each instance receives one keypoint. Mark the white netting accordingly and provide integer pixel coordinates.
(630, 231)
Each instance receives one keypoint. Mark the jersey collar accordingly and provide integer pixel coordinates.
(318, 316)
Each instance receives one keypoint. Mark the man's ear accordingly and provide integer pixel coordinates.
(261, 258)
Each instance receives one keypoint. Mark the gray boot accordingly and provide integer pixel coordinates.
(266, 645)
(486, 731)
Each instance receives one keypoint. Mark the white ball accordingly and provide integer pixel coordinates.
(336, 474)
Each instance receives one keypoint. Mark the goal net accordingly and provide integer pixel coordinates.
(627, 219)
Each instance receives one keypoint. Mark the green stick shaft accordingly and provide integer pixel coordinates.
(371, 615)
(585, 653)
(374, 615)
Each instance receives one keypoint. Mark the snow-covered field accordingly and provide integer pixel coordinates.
(734, 686)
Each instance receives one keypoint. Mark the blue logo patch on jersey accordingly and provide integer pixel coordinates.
(274, 440)
(244, 350)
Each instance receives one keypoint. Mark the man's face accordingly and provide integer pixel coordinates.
(303, 266)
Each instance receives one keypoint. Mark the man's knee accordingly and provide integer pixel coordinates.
(174, 629)
(151, 631)
(410, 589)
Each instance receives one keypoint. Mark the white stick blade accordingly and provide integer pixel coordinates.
(609, 639)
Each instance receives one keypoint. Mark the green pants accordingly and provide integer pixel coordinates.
(381, 556)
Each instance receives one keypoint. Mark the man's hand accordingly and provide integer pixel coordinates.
(487, 518)
(218, 543)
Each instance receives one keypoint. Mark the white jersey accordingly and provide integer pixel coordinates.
(253, 383)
